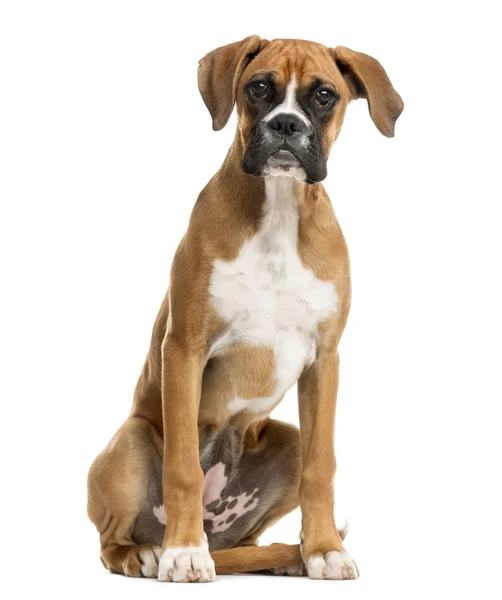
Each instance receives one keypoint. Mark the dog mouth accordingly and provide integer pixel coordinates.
(300, 160)
(283, 159)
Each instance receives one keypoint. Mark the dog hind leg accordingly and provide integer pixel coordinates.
(118, 486)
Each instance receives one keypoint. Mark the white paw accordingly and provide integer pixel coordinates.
(184, 565)
(333, 565)
(293, 571)
(149, 559)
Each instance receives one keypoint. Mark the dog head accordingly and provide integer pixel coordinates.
(291, 98)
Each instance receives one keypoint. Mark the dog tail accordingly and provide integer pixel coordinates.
(246, 559)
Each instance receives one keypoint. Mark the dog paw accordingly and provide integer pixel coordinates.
(333, 565)
(149, 559)
(188, 564)
(141, 561)
(293, 571)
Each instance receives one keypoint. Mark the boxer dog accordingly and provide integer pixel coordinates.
(258, 298)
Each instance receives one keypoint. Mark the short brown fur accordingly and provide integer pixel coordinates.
(182, 395)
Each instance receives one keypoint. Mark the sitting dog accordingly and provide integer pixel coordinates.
(258, 298)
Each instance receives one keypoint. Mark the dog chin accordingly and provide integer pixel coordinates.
(284, 164)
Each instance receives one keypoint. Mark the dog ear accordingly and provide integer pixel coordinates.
(367, 78)
(219, 74)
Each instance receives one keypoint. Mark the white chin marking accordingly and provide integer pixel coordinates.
(333, 565)
(187, 564)
(291, 171)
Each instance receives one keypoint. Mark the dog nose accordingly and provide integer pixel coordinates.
(286, 124)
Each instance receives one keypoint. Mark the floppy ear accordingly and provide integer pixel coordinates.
(367, 78)
(219, 74)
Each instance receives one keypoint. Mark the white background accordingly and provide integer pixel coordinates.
(105, 144)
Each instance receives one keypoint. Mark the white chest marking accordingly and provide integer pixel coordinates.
(269, 299)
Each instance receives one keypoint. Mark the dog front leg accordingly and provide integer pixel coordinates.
(185, 554)
(322, 547)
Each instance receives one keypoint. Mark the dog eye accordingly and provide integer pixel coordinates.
(324, 98)
(259, 90)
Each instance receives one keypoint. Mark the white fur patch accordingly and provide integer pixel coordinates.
(293, 571)
(289, 105)
(333, 565)
(269, 298)
(150, 560)
(186, 564)
(298, 172)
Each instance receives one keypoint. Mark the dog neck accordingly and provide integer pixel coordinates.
(252, 196)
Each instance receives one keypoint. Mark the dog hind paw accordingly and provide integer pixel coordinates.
(291, 571)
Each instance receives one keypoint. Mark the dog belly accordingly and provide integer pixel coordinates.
(237, 491)
(226, 516)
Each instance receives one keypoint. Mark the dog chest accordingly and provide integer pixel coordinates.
(268, 298)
